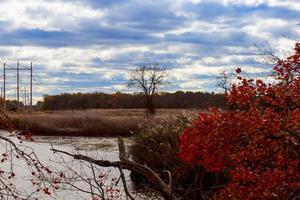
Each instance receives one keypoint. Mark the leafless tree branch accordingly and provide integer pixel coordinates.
(158, 184)
(148, 78)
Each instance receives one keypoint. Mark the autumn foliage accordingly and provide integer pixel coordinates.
(255, 143)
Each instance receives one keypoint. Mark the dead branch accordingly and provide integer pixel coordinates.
(158, 184)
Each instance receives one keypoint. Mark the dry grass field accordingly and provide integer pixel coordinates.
(92, 123)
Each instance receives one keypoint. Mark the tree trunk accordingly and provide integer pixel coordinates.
(150, 107)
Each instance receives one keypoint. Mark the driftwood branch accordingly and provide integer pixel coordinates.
(156, 181)
(124, 184)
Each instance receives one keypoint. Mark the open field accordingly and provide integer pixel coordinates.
(92, 123)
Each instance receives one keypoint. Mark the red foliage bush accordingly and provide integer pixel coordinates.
(256, 142)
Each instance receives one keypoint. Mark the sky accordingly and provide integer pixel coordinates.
(90, 45)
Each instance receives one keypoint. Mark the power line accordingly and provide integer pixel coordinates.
(18, 68)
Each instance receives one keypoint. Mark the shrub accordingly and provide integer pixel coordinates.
(157, 146)
(255, 143)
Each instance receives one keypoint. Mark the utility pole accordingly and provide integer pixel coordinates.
(4, 100)
(31, 85)
(18, 68)
(18, 86)
(25, 96)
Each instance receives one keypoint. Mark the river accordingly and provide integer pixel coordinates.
(99, 148)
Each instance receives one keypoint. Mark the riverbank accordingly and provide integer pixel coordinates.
(87, 123)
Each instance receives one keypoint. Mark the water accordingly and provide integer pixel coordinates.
(98, 148)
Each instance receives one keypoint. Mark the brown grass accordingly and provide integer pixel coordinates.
(92, 123)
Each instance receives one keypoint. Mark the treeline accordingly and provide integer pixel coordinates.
(185, 100)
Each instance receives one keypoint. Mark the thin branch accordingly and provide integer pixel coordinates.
(158, 184)
(124, 184)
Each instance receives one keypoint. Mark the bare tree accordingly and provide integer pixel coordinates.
(270, 55)
(148, 78)
(275, 57)
(224, 80)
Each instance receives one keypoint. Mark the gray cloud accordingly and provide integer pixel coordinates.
(93, 50)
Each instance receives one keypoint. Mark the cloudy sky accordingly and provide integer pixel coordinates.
(89, 45)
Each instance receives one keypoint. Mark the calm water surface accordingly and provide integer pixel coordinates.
(99, 148)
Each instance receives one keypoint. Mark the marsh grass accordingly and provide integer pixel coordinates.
(91, 123)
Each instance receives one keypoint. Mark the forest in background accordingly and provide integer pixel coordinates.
(179, 99)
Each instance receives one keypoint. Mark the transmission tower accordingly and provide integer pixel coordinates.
(18, 68)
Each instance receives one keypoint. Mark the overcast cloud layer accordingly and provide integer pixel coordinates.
(89, 45)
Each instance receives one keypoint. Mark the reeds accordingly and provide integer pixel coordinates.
(89, 123)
